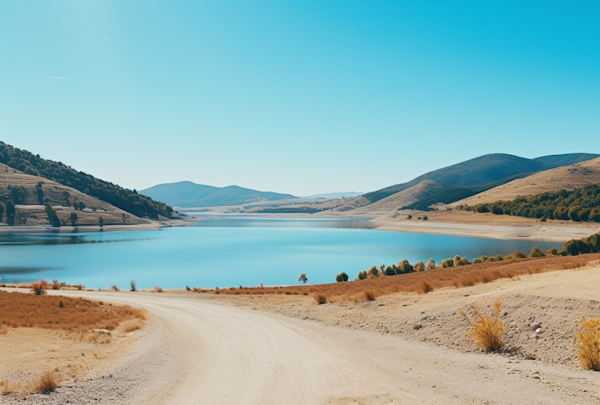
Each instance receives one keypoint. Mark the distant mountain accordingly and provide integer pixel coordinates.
(335, 195)
(495, 168)
(186, 194)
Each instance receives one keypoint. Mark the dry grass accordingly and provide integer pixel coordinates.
(44, 385)
(462, 276)
(488, 331)
(588, 344)
(130, 325)
(47, 383)
(75, 315)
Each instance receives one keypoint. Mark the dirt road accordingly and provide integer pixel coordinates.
(201, 352)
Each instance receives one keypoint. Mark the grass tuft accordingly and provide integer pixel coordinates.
(47, 383)
(320, 298)
(588, 344)
(425, 287)
(488, 331)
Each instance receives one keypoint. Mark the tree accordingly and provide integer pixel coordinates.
(1, 210)
(303, 278)
(66, 194)
(52, 217)
(419, 266)
(101, 222)
(40, 192)
(341, 277)
(73, 219)
(10, 212)
(405, 267)
(537, 252)
(519, 254)
(430, 264)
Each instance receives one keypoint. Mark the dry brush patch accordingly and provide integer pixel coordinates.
(62, 313)
(420, 282)
(487, 332)
(588, 344)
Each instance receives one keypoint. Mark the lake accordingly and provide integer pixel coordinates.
(228, 252)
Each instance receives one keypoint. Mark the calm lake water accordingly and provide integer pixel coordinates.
(228, 252)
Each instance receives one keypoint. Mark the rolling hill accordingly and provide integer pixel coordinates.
(125, 199)
(561, 178)
(186, 194)
(483, 170)
(30, 193)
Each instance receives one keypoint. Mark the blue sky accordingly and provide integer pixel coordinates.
(300, 97)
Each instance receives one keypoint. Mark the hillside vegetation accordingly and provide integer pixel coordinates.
(562, 178)
(127, 200)
(186, 194)
(30, 194)
(581, 204)
(488, 170)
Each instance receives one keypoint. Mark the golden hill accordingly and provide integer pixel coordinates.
(54, 192)
(561, 178)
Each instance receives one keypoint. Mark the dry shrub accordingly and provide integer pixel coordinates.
(47, 383)
(8, 387)
(320, 298)
(588, 344)
(369, 295)
(157, 289)
(130, 325)
(39, 288)
(76, 315)
(425, 287)
(488, 331)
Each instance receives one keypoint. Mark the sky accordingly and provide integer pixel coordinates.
(299, 97)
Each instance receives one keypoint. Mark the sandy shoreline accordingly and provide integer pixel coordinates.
(457, 223)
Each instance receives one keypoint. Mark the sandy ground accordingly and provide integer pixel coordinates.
(209, 349)
(465, 223)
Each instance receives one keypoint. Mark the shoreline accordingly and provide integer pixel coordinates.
(464, 224)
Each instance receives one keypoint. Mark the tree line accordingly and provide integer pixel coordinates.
(580, 204)
(125, 199)
(572, 247)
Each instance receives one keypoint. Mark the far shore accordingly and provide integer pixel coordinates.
(150, 226)
(457, 223)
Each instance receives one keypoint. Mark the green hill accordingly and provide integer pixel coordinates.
(480, 173)
(127, 200)
(186, 194)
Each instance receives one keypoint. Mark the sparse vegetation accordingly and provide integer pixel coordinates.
(127, 200)
(303, 278)
(47, 383)
(581, 204)
(588, 344)
(488, 331)
(75, 314)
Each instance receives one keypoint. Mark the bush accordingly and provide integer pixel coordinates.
(430, 264)
(373, 271)
(537, 252)
(460, 261)
(320, 298)
(419, 266)
(39, 288)
(390, 271)
(369, 295)
(157, 289)
(519, 254)
(341, 277)
(404, 267)
(46, 384)
(447, 263)
(588, 344)
(133, 285)
(425, 287)
(488, 331)
(552, 252)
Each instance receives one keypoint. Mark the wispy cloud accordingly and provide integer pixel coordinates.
(58, 77)
(106, 36)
